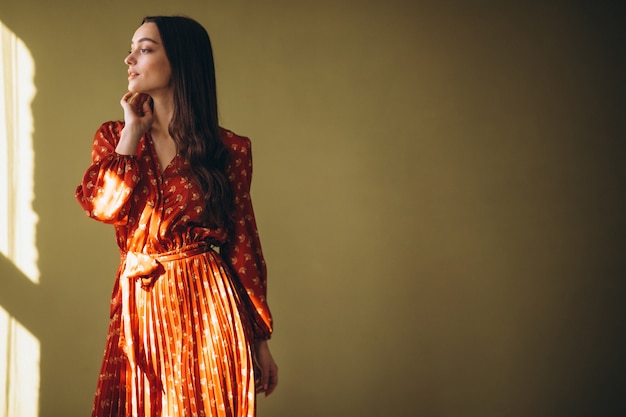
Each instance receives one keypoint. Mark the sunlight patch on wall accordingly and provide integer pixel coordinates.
(19, 369)
(17, 218)
(19, 349)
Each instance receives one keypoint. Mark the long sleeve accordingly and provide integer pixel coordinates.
(243, 251)
(108, 183)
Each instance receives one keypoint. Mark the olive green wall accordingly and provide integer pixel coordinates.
(439, 191)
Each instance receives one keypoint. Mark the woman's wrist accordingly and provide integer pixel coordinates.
(129, 140)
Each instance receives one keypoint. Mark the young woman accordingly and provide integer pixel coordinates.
(189, 318)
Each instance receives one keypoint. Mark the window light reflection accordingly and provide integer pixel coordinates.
(20, 350)
(17, 218)
(19, 369)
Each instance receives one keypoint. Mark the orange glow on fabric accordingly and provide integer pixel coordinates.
(141, 266)
(182, 330)
(138, 266)
(109, 196)
(127, 338)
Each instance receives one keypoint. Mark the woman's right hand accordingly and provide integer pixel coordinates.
(137, 111)
(138, 120)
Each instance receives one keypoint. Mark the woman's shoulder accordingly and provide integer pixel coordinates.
(234, 141)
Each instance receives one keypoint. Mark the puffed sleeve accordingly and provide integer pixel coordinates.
(108, 183)
(242, 252)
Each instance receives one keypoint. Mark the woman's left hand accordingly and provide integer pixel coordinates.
(269, 369)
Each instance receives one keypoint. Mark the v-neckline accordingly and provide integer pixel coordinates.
(160, 168)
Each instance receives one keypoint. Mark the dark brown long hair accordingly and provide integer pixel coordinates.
(194, 126)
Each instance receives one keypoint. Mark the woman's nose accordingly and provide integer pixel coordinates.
(129, 59)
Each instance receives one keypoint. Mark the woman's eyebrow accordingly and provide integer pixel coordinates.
(145, 39)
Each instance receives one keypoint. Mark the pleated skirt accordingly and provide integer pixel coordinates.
(191, 347)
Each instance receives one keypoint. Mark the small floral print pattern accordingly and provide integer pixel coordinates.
(188, 301)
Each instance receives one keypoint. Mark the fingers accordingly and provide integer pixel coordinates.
(272, 380)
(125, 100)
(138, 116)
(269, 377)
(136, 107)
(147, 107)
(262, 382)
(136, 101)
(268, 370)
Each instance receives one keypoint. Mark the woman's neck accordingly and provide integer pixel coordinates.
(163, 111)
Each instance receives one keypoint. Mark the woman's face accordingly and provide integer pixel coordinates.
(149, 70)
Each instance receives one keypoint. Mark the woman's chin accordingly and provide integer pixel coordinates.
(134, 88)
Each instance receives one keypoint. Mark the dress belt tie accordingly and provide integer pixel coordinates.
(148, 267)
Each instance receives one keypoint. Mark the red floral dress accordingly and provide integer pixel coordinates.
(188, 301)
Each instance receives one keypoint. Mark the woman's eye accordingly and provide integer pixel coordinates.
(141, 51)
